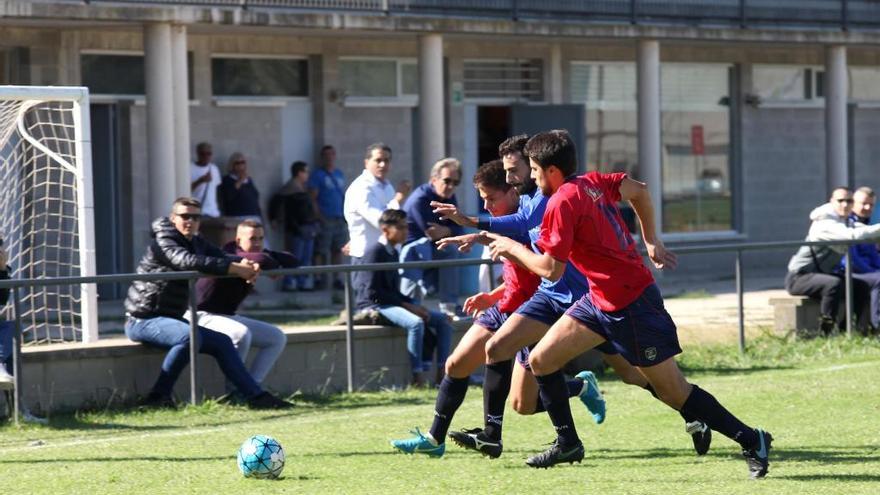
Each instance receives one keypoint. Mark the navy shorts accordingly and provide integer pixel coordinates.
(643, 332)
(522, 357)
(543, 308)
(491, 319)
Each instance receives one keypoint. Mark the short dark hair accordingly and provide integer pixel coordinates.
(186, 201)
(250, 222)
(297, 167)
(377, 146)
(392, 217)
(514, 144)
(326, 147)
(553, 148)
(492, 175)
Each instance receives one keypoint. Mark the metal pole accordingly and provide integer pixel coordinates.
(844, 15)
(349, 333)
(16, 359)
(739, 303)
(193, 342)
(633, 12)
(849, 293)
(742, 13)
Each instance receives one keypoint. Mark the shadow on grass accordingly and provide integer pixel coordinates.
(148, 458)
(729, 370)
(828, 455)
(832, 477)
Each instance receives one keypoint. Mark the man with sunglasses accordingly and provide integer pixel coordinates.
(425, 228)
(154, 309)
(205, 177)
(812, 270)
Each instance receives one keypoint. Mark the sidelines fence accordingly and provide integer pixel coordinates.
(191, 277)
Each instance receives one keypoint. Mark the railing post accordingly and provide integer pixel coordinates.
(739, 302)
(633, 11)
(193, 342)
(349, 333)
(844, 15)
(742, 13)
(515, 13)
(16, 358)
(849, 292)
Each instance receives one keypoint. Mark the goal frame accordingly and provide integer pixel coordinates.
(79, 97)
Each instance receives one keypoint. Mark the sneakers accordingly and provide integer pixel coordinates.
(475, 439)
(28, 417)
(758, 458)
(591, 396)
(419, 444)
(700, 434)
(157, 400)
(265, 400)
(557, 455)
(7, 381)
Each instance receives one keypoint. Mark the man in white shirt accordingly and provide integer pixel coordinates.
(370, 194)
(205, 177)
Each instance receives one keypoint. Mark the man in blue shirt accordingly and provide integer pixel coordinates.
(327, 188)
(425, 228)
(864, 257)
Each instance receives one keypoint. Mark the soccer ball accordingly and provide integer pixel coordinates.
(261, 456)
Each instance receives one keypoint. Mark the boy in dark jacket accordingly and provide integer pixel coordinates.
(294, 209)
(155, 308)
(380, 290)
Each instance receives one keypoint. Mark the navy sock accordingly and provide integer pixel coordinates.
(496, 387)
(554, 395)
(687, 417)
(449, 398)
(575, 385)
(702, 404)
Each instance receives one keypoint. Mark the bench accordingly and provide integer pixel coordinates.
(798, 313)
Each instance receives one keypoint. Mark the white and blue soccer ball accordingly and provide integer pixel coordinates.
(262, 457)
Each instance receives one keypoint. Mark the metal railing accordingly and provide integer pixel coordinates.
(191, 277)
(814, 14)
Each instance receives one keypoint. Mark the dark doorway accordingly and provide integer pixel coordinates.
(493, 127)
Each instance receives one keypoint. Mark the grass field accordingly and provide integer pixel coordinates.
(818, 398)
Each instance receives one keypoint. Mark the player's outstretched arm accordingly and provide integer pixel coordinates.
(544, 265)
(640, 198)
(450, 211)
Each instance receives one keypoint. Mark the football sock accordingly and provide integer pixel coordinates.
(703, 405)
(554, 395)
(575, 386)
(449, 397)
(687, 417)
(496, 387)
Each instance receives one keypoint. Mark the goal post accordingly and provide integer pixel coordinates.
(47, 207)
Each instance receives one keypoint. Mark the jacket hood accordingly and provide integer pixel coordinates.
(825, 212)
(162, 224)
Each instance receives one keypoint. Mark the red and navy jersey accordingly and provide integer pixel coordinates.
(519, 285)
(583, 224)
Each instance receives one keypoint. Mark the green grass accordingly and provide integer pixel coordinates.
(819, 398)
(691, 294)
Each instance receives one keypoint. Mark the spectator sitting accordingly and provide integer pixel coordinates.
(205, 177)
(327, 188)
(864, 257)
(237, 195)
(219, 298)
(381, 291)
(294, 208)
(425, 228)
(155, 308)
(812, 270)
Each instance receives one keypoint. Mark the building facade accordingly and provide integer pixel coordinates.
(739, 118)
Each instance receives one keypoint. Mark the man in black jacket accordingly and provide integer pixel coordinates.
(154, 309)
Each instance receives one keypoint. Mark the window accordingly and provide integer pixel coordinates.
(695, 136)
(379, 78)
(261, 77)
(509, 80)
(788, 83)
(15, 65)
(119, 74)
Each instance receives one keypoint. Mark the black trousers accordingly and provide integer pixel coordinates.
(829, 289)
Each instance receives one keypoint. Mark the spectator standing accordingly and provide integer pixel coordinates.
(425, 228)
(6, 379)
(219, 299)
(327, 188)
(155, 308)
(294, 208)
(864, 257)
(206, 178)
(812, 271)
(237, 194)
(380, 290)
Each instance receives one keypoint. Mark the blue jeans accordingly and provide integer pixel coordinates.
(303, 247)
(173, 334)
(415, 328)
(417, 282)
(7, 330)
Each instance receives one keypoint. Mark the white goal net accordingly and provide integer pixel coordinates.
(46, 209)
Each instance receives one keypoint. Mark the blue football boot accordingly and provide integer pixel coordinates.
(419, 444)
(591, 396)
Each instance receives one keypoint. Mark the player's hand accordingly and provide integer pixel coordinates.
(478, 302)
(464, 242)
(436, 231)
(660, 256)
(499, 245)
(448, 211)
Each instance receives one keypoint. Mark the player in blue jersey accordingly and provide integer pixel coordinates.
(532, 320)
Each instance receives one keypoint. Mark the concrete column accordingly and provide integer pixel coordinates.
(649, 123)
(160, 117)
(432, 122)
(836, 161)
(180, 81)
(556, 74)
